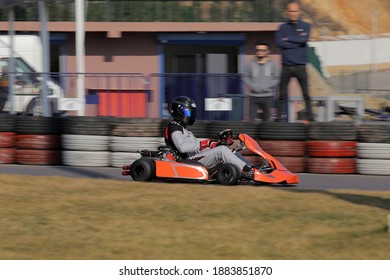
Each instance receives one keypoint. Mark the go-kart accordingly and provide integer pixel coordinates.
(166, 164)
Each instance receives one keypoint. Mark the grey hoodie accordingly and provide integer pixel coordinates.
(261, 78)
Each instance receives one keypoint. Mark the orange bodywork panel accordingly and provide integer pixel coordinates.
(280, 175)
(179, 170)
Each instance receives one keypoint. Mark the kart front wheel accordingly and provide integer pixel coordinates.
(142, 170)
(228, 174)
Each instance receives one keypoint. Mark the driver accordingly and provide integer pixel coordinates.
(207, 152)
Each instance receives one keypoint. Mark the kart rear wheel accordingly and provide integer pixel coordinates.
(142, 170)
(228, 174)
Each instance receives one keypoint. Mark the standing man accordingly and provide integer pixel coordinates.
(292, 38)
(261, 76)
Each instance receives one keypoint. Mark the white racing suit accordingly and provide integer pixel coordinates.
(184, 141)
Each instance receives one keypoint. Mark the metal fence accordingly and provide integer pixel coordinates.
(218, 96)
(136, 95)
(351, 81)
(158, 11)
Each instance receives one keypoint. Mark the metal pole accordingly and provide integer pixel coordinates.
(44, 34)
(80, 54)
(11, 65)
(374, 31)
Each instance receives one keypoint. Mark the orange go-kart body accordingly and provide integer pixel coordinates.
(279, 174)
(160, 167)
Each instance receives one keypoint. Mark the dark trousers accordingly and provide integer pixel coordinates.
(299, 72)
(265, 103)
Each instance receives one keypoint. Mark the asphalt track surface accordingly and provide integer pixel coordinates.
(307, 181)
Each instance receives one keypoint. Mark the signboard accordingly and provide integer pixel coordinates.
(218, 104)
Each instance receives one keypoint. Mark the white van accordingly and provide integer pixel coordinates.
(28, 55)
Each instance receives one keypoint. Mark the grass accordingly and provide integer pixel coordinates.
(65, 218)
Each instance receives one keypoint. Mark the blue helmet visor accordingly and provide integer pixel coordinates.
(190, 113)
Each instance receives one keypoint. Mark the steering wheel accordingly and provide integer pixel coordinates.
(225, 137)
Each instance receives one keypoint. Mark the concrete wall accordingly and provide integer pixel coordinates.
(353, 52)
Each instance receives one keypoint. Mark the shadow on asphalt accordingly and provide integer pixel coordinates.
(367, 200)
(87, 173)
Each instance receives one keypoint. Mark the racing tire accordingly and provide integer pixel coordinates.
(371, 150)
(331, 165)
(373, 166)
(7, 123)
(142, 170)
(228, 174)
(37, 142)
(7, 155)
(7, 139)
(289, 148)
(294, 164)
(374, 133)
(332, 131)
(322, 148)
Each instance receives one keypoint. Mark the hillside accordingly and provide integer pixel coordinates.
(346, 17)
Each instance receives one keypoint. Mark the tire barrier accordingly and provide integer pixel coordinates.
(7, 150)
(134, 127)
(294, 164)
(77, 142)
(286, 142)
(86, 141)
(86, 158)
(335, 147)
(374, 149)
(345, 131)
(322, 148)
(331, 165)
(282, 131)
(130, 135)
(86, 125)
(373, 166)
(37, 140)
(38, 157)
(7, 139)
(333, 144)
(290, 153)
(124, 150)
(283, 148)
(374, 133)
(7, 123)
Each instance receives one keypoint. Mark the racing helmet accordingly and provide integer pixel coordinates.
(183, 109)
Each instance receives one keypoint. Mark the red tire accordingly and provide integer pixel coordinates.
(7, 155)
(294, 164)
(331, 165)
(254, 159)
(319, 148)
(7, 139)
(38, 157)
(283, 148)
(38, 142)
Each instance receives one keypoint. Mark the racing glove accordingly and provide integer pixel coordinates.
(209, 143)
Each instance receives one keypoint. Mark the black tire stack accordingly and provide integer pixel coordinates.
(285, 142)
(373, 149)
(7, 139)
(331, 148)
(130, 135)
(85, 141)
(38, 140)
